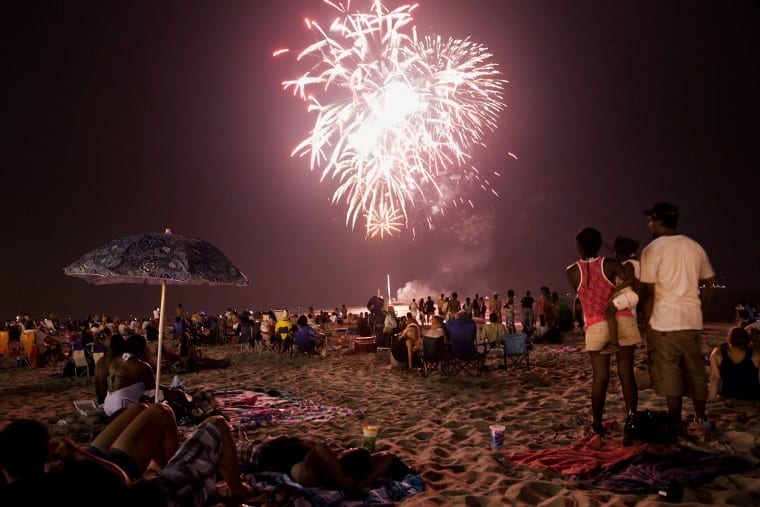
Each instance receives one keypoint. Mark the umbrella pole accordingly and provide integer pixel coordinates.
(160, 339)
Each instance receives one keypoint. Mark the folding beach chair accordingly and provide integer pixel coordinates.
(434, 357)
(81, 365)
(244, 341)
(465, 356)
(16, 351)
(516, 350)
(463, 347)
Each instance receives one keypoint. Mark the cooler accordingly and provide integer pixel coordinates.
(364, 344)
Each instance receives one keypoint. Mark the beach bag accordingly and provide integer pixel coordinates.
(656, 427)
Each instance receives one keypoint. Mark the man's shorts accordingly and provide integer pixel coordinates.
(678, 365)
(191, 474)
(597, 335)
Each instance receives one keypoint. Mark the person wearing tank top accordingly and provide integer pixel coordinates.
(591, 278)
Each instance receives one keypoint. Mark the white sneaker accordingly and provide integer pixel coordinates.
(704, 424)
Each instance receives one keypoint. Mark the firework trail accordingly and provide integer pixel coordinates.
(397, 114)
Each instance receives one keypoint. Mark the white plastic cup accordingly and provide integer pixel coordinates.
(497, 436)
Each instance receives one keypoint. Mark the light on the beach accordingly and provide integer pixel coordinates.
(397, 114)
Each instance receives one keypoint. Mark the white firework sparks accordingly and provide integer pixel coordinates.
(397, 112)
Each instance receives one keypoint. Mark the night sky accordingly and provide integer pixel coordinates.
(128, 117)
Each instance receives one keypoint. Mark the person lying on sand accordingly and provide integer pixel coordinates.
(112, 471)
(313, 464)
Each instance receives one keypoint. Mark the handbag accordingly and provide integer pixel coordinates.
(651, 426)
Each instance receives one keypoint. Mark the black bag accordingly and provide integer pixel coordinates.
(655, 427)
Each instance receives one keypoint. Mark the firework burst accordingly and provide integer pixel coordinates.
(396, 115)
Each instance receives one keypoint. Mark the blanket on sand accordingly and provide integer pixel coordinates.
(637, 469)
(255, 407)
(649, 472)
(280, 489)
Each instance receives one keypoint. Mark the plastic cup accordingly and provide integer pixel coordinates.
(497, 436)
(370, 437)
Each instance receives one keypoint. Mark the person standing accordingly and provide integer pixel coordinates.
(413, 307)
(672, 268)
(495, 307)
(526, 303)
(591, 277)
(429, 310)
(454, 305)
(509, 311)
(442, 307)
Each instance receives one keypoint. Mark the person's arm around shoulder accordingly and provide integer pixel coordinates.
(715, 360)
(615, 271)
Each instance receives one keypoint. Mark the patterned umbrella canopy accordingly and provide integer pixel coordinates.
(157, 259)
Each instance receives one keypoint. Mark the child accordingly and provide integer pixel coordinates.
(625, 297)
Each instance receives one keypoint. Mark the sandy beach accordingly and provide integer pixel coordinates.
(437, 424)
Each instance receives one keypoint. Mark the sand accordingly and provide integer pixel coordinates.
(439, 425)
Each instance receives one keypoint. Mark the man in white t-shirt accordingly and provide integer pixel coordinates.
(672, 268)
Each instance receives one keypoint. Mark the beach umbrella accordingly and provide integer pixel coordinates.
(157, 259)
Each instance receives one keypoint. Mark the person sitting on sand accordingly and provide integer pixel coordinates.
(191, 358)
(129, 376)
(38, 469)
(734, 368)
(116, 345)
(313, 464)
(591, 278)
(306, 338)
(407, 342)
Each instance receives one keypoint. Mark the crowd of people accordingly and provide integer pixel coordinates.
(622, 303)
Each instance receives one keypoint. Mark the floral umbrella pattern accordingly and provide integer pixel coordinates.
(156, 258)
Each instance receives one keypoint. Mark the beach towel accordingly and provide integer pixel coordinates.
(648, 473)
(607, 464)
(589, 454)
(288, 492)
(256, 407)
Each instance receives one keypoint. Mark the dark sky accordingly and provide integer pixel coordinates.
(133, 116)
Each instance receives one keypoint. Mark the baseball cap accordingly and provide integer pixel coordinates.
(662, 211)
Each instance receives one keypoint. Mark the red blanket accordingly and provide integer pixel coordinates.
(588, 454)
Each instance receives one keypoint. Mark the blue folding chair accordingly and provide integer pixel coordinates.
(516, 350)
